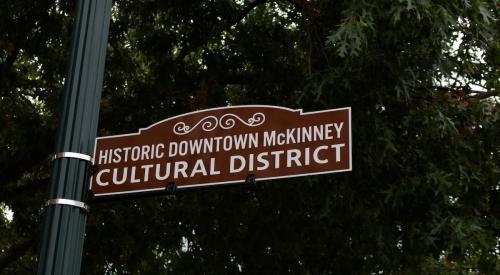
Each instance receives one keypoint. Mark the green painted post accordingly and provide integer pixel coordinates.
(64, 225)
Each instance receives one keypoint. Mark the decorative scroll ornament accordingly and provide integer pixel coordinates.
(209, 123)
(226, 121)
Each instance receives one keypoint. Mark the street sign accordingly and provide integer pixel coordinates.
(223, 146)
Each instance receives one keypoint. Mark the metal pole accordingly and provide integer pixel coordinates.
(64, 225)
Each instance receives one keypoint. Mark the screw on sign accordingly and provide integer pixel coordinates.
(222, 146)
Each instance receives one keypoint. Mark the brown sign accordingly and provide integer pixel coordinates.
(222, 146)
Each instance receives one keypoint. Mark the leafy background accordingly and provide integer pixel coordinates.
(421, 77)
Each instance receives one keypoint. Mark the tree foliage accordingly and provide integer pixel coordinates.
(421, 77)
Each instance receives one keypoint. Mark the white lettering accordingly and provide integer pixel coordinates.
(124, 176)
(199, 167)
(289, 136)
(338, 128)
(103, 156)
(145, 152)
(133, 179)
(254, 140)
(126, 149)
(98, 177)
(180, 167)
(146, 169)
(117, 158)
(293, 155)
(195, 146)
(183, 148)
(281, 138)
(136, 153)
(159, 150)
(262, 160)
(269, 138)
(337, 151)
(217, 145)
(276, 155)
(328, 131)
(232, 168)
(167, 172)
(240, 141)
(228, 143)
(307, 156)
(172, 149)
(316, 152)
(212, 167)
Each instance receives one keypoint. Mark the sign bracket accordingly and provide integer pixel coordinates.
(92, 169)
(250, 179)
(171, 187)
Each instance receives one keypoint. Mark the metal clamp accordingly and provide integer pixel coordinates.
(73, 155)
(74, 203)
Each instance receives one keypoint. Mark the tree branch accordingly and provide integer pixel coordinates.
(468, 92)
(246, 11)
(483, 95)
(185, 51)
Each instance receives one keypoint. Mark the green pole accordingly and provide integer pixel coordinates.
(64, 225)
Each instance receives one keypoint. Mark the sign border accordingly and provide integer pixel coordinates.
(208, 185)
